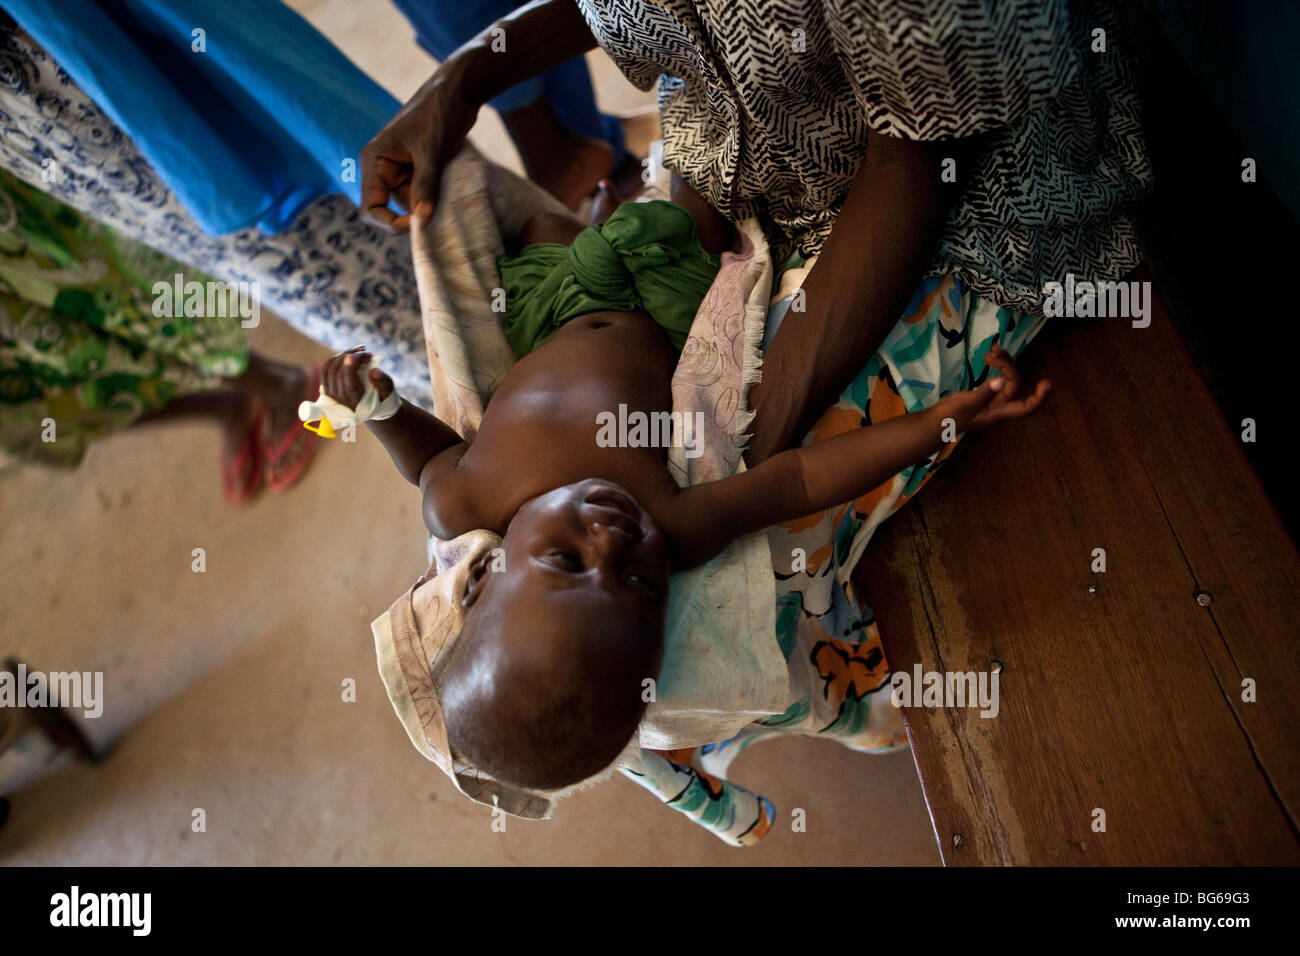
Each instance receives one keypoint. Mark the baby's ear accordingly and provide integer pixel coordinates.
(478, 574)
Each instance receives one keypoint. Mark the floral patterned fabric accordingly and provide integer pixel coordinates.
(81, 349)
(838, 672)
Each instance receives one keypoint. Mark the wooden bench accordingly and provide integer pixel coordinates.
(1119, 691)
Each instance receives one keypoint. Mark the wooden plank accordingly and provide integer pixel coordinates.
(1129, 699)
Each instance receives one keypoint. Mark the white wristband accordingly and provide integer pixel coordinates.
(339, 415)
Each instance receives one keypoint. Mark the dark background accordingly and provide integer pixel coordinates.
(1220, 81)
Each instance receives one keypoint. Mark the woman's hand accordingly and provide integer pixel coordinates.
(406, 158)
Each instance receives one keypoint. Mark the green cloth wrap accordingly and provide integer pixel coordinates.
(646, 257)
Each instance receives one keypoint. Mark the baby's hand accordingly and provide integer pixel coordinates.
(995, 400)
(341, 377)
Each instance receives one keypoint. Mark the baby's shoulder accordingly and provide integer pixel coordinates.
(453, 500)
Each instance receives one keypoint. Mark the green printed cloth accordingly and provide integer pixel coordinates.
(646, 257)
(80, 346)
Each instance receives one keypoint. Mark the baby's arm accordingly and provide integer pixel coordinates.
(805, 480)
(412, 437)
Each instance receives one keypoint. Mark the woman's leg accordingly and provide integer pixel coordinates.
(231, 409)
(278, 448)
(277, 386)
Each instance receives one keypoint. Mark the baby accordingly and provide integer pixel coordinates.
(544, 686)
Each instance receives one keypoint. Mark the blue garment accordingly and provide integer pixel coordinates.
(268, 117)
(443, 25)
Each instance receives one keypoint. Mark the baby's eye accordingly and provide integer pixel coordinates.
(643, 581)
(568, 560)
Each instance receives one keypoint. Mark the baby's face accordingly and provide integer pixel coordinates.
(569, 620)
(595, 536)
(580, 559)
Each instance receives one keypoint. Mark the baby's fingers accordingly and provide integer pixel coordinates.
(329, 376)
(1001, 359)
(340, 377)
(383, 384)
(973, 405)
(1019, 408)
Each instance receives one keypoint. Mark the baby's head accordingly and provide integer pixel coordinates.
(545, 686)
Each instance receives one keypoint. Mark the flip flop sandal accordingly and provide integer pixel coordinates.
(246, 461)
(285, 456)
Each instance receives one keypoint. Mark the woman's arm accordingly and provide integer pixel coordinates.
(406, 157)
(536, 37)
(866, 272)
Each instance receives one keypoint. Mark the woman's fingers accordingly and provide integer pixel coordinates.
(381, 176)
(405, 159)
(426, 180)
(1034, 399)
(403, 196)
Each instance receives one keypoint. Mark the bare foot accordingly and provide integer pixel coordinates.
(238, 417)
(241, 464)
(287, 447)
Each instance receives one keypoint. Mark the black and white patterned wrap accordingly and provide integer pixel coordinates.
(762, 119)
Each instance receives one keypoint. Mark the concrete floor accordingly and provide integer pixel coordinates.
(224, 688)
